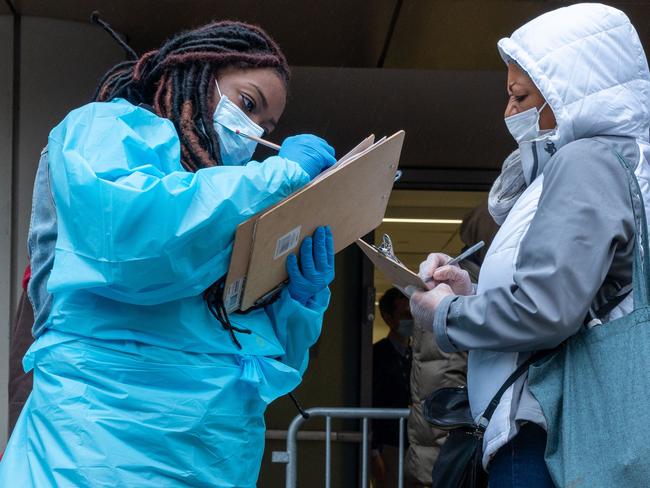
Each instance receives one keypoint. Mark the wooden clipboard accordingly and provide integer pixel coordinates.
(398, 274)
(243, 243)
(351, 198)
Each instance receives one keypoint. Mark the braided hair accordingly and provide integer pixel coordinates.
(176, 79)
(176, 82)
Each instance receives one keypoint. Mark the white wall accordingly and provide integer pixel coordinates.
(6, 95)
(60, 64)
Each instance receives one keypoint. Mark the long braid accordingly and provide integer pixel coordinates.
(176, 80)
(204, 86)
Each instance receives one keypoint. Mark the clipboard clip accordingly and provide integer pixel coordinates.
(386, 249)
(271, 296)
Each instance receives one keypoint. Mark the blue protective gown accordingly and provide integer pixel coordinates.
(135, 383)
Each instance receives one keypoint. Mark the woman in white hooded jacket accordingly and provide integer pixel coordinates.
(579, 92)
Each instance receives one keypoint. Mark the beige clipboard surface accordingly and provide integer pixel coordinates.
(351, 199)
(398, 274)
(243, 243)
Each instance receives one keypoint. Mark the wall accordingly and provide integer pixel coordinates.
(6, 115)
(60, 63)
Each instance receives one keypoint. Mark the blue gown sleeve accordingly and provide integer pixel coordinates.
(133, 225)
(298, 326)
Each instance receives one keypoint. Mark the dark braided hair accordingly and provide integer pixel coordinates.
(176, 81)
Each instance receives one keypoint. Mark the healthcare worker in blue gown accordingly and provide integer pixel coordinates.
(140, 378)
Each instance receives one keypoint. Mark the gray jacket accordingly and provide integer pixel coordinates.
(566, 247)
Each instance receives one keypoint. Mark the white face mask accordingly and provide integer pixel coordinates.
(524, 126)
(235, 149)
(536, 146)
(405, 328)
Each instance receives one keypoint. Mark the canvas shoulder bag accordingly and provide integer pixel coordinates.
(595, 390)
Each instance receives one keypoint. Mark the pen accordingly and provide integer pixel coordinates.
(466, 254)
(258, 139)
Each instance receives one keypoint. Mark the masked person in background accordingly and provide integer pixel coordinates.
(140, 378)
(579, 93)
(391, 373)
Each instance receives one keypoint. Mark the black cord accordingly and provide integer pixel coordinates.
(301, 411)
(95, 19)
(214, 300)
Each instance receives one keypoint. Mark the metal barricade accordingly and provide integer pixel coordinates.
(290, 456)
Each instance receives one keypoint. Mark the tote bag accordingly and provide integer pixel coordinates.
(595, 391)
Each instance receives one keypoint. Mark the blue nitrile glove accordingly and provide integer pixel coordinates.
(316, 266)
(312, 153)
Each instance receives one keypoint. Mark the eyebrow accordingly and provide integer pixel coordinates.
(265, 103)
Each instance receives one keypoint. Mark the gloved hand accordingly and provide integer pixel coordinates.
(434, 271)
(312, 153)
(423, 304)
(316, 266)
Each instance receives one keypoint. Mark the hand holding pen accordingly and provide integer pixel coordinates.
(444, 279)
(439, 268)
(312, 153)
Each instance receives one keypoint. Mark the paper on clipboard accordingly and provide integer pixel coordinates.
(364, 146)
(398, 274)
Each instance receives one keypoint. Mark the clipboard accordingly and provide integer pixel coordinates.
(385, 260)
(351, 197)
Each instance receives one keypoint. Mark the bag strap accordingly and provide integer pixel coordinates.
(484, 420)
(609, 305)
(641, 267)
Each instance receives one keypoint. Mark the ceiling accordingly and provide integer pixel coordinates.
(427, 34)
(314, 32)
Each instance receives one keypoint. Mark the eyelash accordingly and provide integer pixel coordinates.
(520, 98)
(248, 103)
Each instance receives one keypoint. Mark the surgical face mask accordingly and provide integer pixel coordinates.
(228, 118)
(524, 126)
(405, 328)
(536, 146)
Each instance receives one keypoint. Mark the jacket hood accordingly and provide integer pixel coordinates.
(589, 64)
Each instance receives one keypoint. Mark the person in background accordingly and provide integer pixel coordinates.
(478, 225)
(432, 368)
(20, 338)
(391, 372)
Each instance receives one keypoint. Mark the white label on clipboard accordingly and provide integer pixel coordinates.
(287, 242)
(232, 296)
